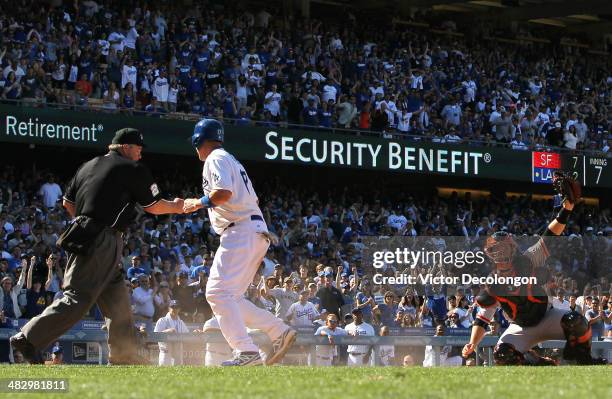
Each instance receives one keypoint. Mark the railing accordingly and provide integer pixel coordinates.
(284, 124)
(311, 340)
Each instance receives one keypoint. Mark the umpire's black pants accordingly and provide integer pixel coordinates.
(89, 280)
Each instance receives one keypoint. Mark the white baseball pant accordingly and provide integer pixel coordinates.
(355, 359)
(166, 359)
(242, 248)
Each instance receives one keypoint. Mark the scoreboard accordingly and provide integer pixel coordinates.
(590, 171)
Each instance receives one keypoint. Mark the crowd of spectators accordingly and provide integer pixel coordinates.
(448, 84)
(316, 270)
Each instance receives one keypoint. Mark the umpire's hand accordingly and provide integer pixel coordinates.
(191, 205)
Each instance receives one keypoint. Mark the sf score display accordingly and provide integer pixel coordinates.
(391, 155)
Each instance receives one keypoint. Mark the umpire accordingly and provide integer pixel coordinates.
(102, 194)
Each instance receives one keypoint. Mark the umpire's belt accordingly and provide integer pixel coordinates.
(253, 217)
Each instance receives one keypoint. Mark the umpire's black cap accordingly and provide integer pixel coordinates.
(128, 135)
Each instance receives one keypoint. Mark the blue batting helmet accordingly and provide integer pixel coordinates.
(207, 129)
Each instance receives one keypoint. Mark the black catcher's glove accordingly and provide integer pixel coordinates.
(567, 186)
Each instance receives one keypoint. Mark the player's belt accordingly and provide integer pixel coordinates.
(253, 217)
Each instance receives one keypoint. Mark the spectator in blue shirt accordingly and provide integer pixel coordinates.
(365, 302)
(194, 84)
(387, 310)
(202, 59)
(326, 114)
(436, 302)
(244, 117)
(310, 114)
(184, 71)
(135, 269)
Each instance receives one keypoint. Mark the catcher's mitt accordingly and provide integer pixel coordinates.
(566, 185)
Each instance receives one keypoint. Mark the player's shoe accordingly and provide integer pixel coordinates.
(244, 359)
(20, 342)
(280, 346)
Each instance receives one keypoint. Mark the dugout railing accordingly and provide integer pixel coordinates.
(310, 340)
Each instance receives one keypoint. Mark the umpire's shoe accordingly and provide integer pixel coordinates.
(280, 346)
(244, 359)
(20, 342)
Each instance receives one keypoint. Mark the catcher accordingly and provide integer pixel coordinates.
(533, 318)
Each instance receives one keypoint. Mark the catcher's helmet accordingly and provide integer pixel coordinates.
(207, 129)
(500, 247)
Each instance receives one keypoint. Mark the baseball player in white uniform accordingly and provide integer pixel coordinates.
(171, 353)
(235, 215)
(357, 353)
(386, 352)
(326, 353)
(302, 313)
(216, 353)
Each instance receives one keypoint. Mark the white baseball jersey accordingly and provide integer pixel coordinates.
(362, 329)
(386, 353)
(302, 315)
(328, 350)
(223, 172)
(167, 322)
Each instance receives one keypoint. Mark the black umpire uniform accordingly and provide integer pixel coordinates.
(104, 189)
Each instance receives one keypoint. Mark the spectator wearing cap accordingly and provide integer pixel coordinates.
(135, 270)
(357, 353)
(302, 313)
(284, 297)
(171, 353)
(330, 296)
(8, 296)
(183, 293)
(142, 298)
(162, 300)
(325, 354)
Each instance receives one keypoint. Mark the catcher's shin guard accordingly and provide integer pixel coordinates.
(578, 335)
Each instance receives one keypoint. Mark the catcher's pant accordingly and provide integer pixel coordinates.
(525, 338)
(89, 280)
(355, 359)
(241, 251)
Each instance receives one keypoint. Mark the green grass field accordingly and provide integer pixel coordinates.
(331, 383)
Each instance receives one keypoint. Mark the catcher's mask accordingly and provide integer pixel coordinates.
(500, 247)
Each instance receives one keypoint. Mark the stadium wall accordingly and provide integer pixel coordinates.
(94, 131)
